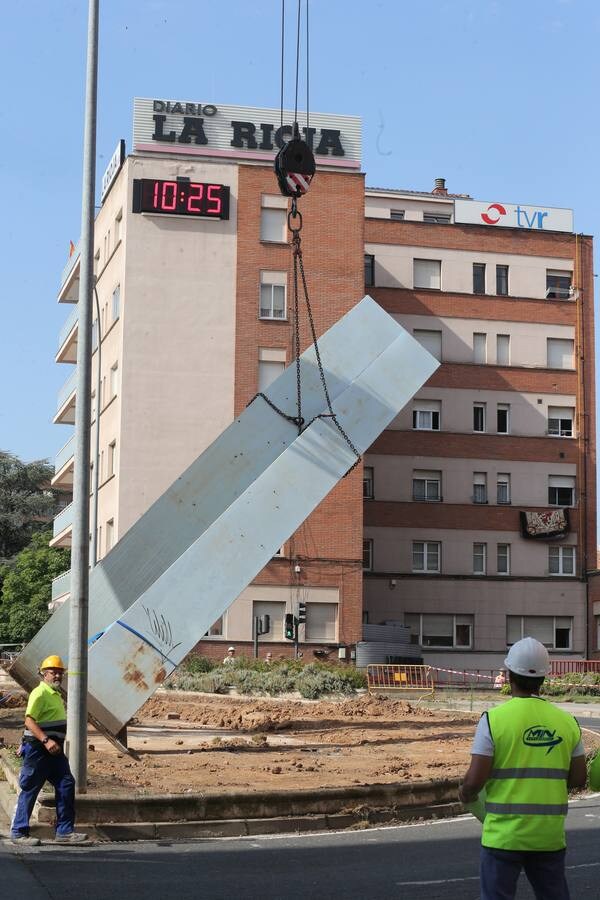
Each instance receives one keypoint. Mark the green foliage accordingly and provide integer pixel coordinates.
(255, 676)
(27, 589)
(573, 684)
(27, 502)
(197, 665)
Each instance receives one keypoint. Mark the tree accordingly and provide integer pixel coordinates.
(27, 503)
(27, 589)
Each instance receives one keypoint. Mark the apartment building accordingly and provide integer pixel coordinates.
(193, 272)
(480, 499)
(473, 519)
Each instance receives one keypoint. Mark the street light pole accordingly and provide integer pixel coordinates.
(78, 623)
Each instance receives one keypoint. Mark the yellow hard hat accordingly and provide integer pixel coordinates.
(52, 662)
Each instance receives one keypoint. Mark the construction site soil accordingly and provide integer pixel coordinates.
(188, 743)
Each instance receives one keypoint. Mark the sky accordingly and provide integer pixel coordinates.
(499, 98)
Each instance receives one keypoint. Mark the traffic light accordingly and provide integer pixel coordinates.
(264, 624)
(301, 613)
(289, 627)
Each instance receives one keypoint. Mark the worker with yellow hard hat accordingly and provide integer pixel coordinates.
(44, 758)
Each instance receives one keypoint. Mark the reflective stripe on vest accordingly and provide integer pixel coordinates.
(527, 809)
(530, 773)
(56, 729)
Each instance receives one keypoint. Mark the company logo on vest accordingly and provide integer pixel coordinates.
(540, 736)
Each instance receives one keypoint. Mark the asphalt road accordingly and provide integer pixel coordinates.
(413, 862)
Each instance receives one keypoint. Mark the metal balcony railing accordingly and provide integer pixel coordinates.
(73, 259)
(67, 389)
(68, 326)
(64, 454)
(61, 585)
(63, 520)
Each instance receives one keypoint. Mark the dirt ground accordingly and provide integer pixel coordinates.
(191, 743)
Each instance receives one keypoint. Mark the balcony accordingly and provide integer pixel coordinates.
(63, 465)
(62, 528)
(65, 409)
(67, 338)
(69, 282)
(61, 587)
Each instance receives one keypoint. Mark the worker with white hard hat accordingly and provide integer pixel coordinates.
(44, 759)
(230, 658)
(527, 753)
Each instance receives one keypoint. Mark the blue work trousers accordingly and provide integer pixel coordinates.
(545, 871)
(40, 766)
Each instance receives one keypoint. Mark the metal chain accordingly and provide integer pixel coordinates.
(298, 260)
(298, 419)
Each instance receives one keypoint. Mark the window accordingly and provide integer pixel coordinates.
(480, 487)
(114, 377)
(502, 280)
(431, 340)
(426, 485)
(479, 417)
(552, 631)
(426, 556)
(558, 284)
(110, 529)
(561, 490)
(216, 629)
(112, 458)
(273, 219)
(96, 261)
(93, 410)
(433, 630)
(95, 334)
(118, 226)
(367, 555)
(503, 349)
(479, 559)
(560, 421)
(503, 418)
(479, 278)
(321, 622)
(369, 270)
(502, 488)
(268, 371)
(426, 415)
(479, 347)
(397, 215)
(368, 483)
(437, 218)
(503, 559)
(276, 612)
(560, 353)
(427, 273)
(116, 302)
(272, 295)
(561, 560)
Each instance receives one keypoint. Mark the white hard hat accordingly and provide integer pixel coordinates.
(229, 649)
(528, 657)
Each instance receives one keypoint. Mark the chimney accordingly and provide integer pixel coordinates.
(440, 187)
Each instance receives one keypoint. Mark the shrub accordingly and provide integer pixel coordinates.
(252, 676)
(197, 665)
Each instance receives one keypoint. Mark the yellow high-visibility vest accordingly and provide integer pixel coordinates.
(526, 796)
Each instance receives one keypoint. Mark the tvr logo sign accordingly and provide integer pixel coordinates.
(511, 215)
(525, 219)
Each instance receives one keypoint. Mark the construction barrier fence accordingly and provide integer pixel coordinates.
(400, 678)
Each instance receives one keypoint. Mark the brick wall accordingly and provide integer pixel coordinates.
(328, 545)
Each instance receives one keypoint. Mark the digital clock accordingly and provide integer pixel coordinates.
(198, 199)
